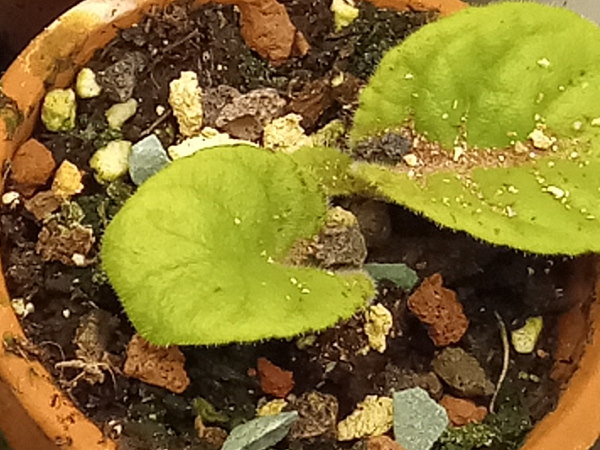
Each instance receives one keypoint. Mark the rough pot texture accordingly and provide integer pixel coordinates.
(36, 415)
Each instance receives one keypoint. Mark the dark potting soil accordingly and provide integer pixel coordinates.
(489, 280)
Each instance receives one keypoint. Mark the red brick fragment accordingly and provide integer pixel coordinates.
(439, 309)
(462, 411)
(273, 379)
(31, 167)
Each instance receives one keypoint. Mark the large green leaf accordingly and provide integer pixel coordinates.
(476, 84)
(194, 254)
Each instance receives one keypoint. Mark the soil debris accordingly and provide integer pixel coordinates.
(31, 167)
(185, 97)
(462, 411)
(439, 309)
(158, 366)
(68, 245)
(374, 220)
(378, 323)
(214, 437)
(273, 379)
(462, 372)
(394, 379)
(317, 416)
(120, 79)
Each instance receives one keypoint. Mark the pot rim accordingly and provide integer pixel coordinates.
(72, 38)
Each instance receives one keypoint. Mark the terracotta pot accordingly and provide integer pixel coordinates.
(36, 415)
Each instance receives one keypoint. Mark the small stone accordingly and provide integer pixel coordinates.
(461, 411)
(214, 437)
(271, 408)
(67, 180)
(525, 338)
(120, 113)
(42, 204)
(274, 380)
(260, 433)
(398, 273)
(86, 85)
(540, 140)
(119, 79)
(344, 13)
(411, 160)
(383, 443)
(185, 97)
(285, 134)
(59, 110)
(209, 137)
(111, 162)
(59, 243)
(418, 420)
(378, 323)
(214, 99)
(31, 167)
(246, 115)
(22, 308)
(439, 309)
(339, 244)
(317, 416)
(158, 366)
(372, 417)
(393, 379)
(462, 372)
(11, 199)
(147, 157)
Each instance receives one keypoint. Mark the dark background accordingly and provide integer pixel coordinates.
(21, 20)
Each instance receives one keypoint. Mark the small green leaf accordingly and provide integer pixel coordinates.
(195, 254)
(400, 274)
(469, 103)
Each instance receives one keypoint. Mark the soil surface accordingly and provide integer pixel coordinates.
(75, 315)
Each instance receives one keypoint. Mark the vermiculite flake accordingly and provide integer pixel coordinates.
(147, 157)
(418, 420)
(260, 433)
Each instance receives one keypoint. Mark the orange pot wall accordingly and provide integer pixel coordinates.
(574, 425)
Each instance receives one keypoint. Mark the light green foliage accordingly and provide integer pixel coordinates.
(194, 254)
(59, 110)
(331, 169)
(519, 64)
(516, 60)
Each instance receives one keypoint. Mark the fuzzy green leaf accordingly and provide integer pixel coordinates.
(518, 67)
(194, 254)
(498, 67)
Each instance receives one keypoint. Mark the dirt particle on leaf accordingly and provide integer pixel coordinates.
(31, 167)
(57, 242)
(158, 366)
(273, 379)
(462, 411)
(317, 416)
(439, 309)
